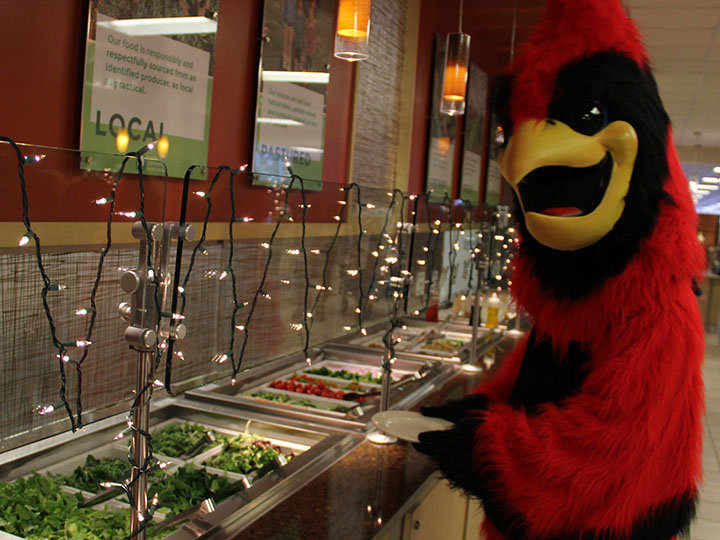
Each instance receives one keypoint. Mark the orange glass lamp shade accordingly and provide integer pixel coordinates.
(457, 57)
(353, 30)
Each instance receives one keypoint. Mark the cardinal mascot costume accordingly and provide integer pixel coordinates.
(592, 428)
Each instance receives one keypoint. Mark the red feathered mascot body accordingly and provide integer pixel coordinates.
(592, 427)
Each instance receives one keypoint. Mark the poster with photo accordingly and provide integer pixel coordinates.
(294, 75)
(148, 77)
(474, 135)
(441, 146)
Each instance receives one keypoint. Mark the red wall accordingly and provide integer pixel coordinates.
(43, 44)
(490, 25)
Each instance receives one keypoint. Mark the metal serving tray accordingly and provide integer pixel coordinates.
(414, 335)
(316, 448)
(422, 377)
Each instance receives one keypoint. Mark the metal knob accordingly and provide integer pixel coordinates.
(142, 337)
(187, 232)
(178, 332)
(130, 281)
(125, 310)
(155, 229)
(417, 525)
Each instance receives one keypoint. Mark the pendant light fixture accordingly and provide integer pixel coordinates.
(457, 59)
(352, 36)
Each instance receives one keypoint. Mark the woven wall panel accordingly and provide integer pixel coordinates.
(29, 370)
(379, 81)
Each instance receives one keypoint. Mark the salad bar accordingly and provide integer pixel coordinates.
(207, 455)
(226, 453)
(341, 387)
(447, 342)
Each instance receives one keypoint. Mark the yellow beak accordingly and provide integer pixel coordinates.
(544, 143)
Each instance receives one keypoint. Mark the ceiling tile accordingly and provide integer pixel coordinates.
(636, 4)
(673, 52)
(676, 17)
(669, 65)
(678, 36)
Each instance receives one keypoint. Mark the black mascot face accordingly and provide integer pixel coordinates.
(584, 136)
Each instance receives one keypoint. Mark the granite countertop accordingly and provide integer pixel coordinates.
(361, 492)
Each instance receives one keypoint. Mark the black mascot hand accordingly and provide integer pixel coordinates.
(431, 443)
(457, 409)
(453, 449)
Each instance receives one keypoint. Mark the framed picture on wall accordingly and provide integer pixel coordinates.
(292, 90)
(441, 143)
(149, 77)
(474, 135)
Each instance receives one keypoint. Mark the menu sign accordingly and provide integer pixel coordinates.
(142, 85)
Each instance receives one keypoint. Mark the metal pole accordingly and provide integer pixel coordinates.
(476, 320)
(142, 314)
(386, 380)
(139, 444)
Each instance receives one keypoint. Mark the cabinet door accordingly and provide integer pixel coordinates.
(475, 517)
(441, 515)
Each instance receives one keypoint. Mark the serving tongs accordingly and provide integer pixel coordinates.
(194, 450)
(109, 493)
(430, 333)
(411, 377)
(201, 509)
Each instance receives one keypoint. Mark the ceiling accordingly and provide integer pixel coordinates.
(682, 38)
(683, 42)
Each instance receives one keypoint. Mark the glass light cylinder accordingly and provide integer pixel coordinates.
(352, 36)
(457, 58)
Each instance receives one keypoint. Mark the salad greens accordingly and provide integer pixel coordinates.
(37, 509)
(443, 344)
(174, 440)
(185, 487)
(245, 454)
(88, 477)
(284, 398)
(344, 374)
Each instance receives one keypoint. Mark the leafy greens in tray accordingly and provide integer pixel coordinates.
(88, 477)
(186, 487)
(245, 454)
(36, 508)
(174, 440)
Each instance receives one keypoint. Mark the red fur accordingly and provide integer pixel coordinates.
(569, 30)
(499, 387)
(631, 439)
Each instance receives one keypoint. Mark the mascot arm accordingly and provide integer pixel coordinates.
(556, 472)
(496, 388)
(499, 386)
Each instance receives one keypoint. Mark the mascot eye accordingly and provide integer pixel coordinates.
(587, 117)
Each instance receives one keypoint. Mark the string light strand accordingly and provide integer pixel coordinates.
(30, 234)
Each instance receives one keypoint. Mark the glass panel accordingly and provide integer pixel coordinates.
(256, 283)
(53, 247)
(292, 90)
(149, 76)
